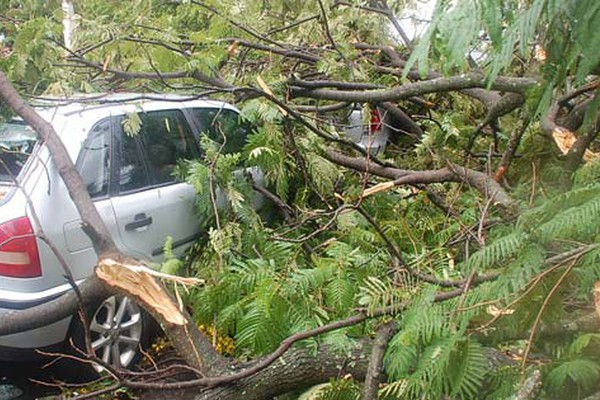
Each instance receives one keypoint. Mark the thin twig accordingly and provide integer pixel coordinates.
(538, 318)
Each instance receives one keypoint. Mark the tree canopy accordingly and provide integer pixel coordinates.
(463, 259)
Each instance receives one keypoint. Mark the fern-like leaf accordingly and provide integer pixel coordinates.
(500, 250)
(583, 373)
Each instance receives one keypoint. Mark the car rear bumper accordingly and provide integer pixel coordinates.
(14, 300)
(22, 345)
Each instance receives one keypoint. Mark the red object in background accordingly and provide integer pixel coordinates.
(375, 121)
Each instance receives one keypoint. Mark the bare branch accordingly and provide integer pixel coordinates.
(511, 147)
(300, 55)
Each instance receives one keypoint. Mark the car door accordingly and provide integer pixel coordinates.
(150, 204)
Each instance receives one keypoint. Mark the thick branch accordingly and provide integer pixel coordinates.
(487, 97)
(576, 154)
(297, 369)
(505, 105)
(402, 120)
(137, 281)
(578, 151)
(318, 84)
(184, 336)
(465, 81)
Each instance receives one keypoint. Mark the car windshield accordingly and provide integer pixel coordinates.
(16, 143)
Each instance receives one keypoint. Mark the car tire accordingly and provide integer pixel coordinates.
(119, 330)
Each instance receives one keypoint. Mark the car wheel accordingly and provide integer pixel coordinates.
(119, 329)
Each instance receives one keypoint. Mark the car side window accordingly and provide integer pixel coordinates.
(149, 157)
(166, 138)
(132, 174)
(93, 163)
(223, 126)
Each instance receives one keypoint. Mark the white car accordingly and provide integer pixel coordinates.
(130, 179)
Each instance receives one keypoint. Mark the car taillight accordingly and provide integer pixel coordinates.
(19, 256)
(375, 121)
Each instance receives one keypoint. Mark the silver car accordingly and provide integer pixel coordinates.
(130, 179)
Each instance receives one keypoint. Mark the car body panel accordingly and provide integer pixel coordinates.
(47, 335)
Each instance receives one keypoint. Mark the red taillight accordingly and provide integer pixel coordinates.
(19, 256)
(375, 121)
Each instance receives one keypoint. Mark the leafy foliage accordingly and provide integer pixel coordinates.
(468, 283)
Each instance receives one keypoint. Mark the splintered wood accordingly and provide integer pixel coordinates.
(596, 292)
(380, 187)
(565, 139)
(139, 282)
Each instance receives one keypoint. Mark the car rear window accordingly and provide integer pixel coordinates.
(16, 144)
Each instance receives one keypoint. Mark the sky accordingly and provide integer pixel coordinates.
(414, 20)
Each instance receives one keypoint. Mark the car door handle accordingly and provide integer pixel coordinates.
(139, 221)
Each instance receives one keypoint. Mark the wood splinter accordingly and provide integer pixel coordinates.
(138, 282)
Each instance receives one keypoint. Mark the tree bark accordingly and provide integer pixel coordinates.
(375, 371)
(485, 184)
(186, 338)
(297, 369)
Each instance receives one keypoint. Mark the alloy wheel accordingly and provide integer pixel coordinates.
(116, 331)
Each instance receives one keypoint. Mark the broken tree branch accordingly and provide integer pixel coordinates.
(485, 184)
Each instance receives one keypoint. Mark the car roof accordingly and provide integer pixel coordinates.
(120, 102)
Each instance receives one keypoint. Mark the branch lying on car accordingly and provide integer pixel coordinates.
(15, 321)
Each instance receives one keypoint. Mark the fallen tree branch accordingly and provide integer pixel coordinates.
(505, 105)
(531, 387)
(511, 147)
(403, 121)
(437, 85)
(92, 223)
(575, 148)
(288, 53)
(185, 337)
(453, 173)
(298, 369)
